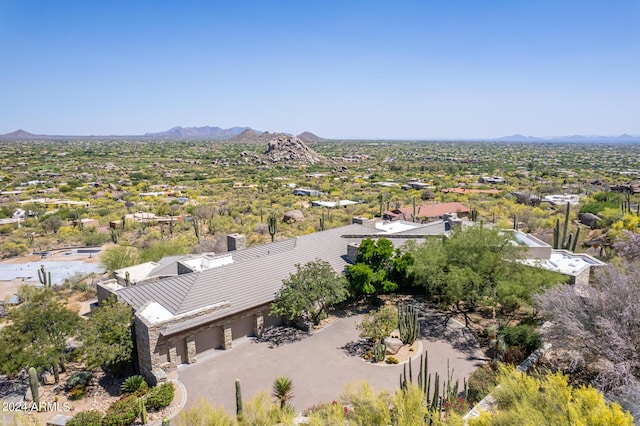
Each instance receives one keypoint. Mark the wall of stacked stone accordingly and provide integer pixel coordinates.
(152, 345)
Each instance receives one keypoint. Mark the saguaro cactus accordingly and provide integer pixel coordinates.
(44, 277)
(272, 222)
(564, 242)
(33, 383)
(238, 400)
(413, 203)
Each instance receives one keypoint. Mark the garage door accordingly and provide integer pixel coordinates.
(210, 338)
(242, 327)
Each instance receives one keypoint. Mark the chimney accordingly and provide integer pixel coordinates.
(236, 242)
(352, 251)
(360, 220)
(452, 221)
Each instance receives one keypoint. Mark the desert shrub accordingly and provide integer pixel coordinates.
(122, 412)
(549, 400)
(77, 392)
(379, 324)
(392, 360)
(92, 238)
(160, 396)
(326, 414)
(13, 248)
(367, 407)
(134, 384)
(205, 414)
(86, 418)
(524, 336)
(81, 378)
(261, 411)
(481, 382)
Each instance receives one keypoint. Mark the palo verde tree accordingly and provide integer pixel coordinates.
(310, 291)
(37, 333)
(478, 267)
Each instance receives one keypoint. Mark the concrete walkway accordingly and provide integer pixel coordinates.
(319, 366)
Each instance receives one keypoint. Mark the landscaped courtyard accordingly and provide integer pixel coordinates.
(320, 365)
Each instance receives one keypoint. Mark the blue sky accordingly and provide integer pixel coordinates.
(341, 69)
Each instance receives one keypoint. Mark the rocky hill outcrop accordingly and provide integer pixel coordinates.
(283, 148)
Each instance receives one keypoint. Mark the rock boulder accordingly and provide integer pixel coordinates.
(393, 345)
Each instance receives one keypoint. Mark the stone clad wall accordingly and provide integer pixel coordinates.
(152, 345)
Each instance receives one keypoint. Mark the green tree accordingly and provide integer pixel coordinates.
(549, 400)
(52, 224)
(478, 267)
(378, 268)
(37, 333)
(310, 291)
(106, 336)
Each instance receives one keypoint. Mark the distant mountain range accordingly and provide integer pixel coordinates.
(205, 132)
(575, 138)
(249, 135)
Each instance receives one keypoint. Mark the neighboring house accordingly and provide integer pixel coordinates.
(307, 192)
(492, 179)
(427, 212)
(561, 199)
(189, 305)
(412, 184)
(469, 191)
(329, 204)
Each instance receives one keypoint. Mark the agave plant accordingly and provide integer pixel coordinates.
(133, 384)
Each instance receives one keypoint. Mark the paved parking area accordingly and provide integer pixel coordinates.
(318, 366)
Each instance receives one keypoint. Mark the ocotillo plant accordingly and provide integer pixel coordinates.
(238, 400)
(44, 277)
(33, 383)
(272, 222)
(408, 324)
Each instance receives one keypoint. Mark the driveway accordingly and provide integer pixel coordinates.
(318, 366)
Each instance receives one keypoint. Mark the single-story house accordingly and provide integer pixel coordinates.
(197, 304)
